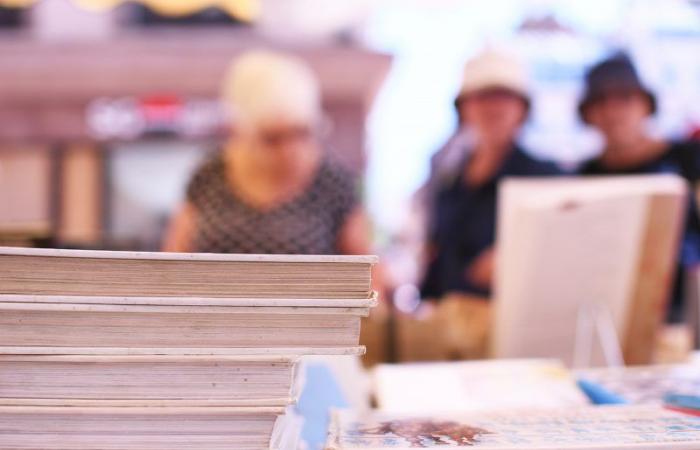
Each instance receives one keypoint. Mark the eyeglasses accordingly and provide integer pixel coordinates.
(278, 137)
(495, 93)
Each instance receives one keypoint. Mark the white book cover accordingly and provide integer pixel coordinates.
(590, 256)
(474, 386)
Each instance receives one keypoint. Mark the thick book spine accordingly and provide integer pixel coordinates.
(157, 428)
(68, 325)
(173, 275)
(357, 350)
(138, 380)
(368, 302)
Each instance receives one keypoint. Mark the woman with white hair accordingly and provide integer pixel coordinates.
(271, 188)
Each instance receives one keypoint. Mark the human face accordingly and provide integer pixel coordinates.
(619, 115)
(495, 115)
(282, 147)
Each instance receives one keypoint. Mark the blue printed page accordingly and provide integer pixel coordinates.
(646, 384)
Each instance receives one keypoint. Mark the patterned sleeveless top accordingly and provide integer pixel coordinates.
(307, 224)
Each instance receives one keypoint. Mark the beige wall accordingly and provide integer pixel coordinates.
(25, 183)
(80, 217)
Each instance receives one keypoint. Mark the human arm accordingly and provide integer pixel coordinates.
(180, 232)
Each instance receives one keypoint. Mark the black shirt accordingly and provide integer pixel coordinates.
(463, 224)
(681, 158)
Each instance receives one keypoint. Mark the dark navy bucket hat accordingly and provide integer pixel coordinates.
(614, 74)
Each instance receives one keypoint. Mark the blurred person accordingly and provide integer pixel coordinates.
(271, 188)
(695, 133)
(618, 105)
(460, 195)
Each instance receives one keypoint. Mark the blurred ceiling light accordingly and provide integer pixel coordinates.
(16, 3)
(311, 19)
(544, 24)
(97, 5)
(245, 10)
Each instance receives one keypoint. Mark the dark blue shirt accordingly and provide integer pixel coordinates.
(462, 224)
(681, 158)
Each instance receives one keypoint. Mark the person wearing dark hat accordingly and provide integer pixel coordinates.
(618, 105)
(460, 195)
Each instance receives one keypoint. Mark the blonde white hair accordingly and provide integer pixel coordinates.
(263, 86)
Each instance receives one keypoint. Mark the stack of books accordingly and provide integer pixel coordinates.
(117, 350)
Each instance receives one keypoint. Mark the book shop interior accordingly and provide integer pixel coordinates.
(349, 224)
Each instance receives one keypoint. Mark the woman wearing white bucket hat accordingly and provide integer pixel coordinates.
(492, 105)
(271, 189)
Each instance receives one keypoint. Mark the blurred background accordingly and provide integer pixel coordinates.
(126, 92)
(108, 106)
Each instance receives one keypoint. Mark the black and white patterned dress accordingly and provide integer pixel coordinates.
(307, 224)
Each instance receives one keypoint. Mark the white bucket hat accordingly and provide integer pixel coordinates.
(495, 69)
(264, 86)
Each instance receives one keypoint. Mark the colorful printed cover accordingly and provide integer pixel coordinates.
(587, 428)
